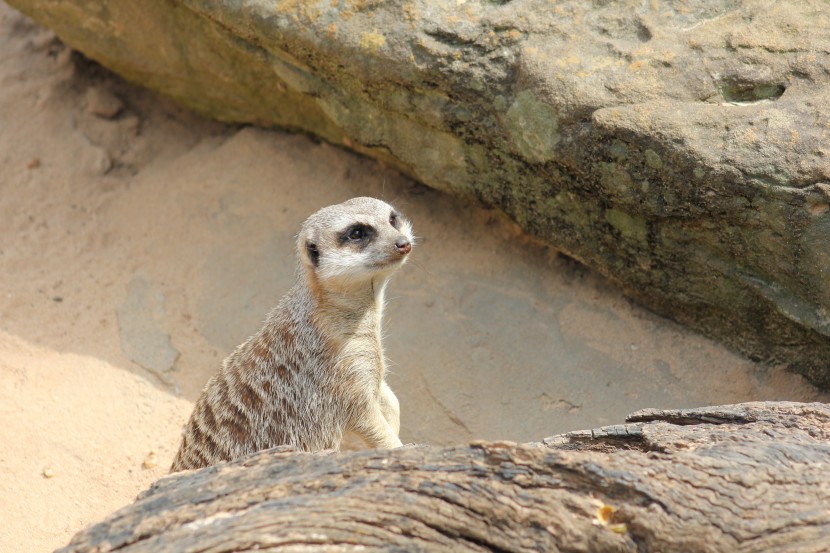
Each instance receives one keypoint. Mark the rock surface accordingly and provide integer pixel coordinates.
(678, 147)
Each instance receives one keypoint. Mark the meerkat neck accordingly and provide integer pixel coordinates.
(351, 309)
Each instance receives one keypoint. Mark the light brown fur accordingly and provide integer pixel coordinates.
(316, 368)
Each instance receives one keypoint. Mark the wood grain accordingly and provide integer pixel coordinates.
(749, 477)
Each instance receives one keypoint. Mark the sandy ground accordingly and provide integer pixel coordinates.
(139, 244)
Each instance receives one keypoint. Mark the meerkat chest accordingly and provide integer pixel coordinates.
(361, 362)
(355, 340)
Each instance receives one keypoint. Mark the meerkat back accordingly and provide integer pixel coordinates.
(316, 368)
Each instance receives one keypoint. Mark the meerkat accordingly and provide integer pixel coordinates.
(316, 369)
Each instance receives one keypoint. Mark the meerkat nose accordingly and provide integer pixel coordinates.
(403, 246)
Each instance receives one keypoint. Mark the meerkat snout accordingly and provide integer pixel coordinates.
(403, 245)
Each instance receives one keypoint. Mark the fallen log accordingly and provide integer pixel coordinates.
(747, 477)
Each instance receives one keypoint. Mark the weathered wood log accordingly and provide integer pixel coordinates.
(747, 477)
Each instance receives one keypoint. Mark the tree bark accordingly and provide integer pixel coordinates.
(747, 477)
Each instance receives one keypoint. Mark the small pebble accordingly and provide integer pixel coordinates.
(33, 163)
(48, 472)
(103, 103)
(150, 461)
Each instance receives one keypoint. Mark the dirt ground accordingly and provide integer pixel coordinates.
(140, 243)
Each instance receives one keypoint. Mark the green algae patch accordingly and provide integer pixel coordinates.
(653, 160)
(629, 227)
(534, 127)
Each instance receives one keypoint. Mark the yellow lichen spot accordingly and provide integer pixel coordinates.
(331, 29)
(604, 514)
(372, 41)
(564, 62)
(604, 517)
(793, 136)
(364, 5)
(635, 65)
(620, 528)
(460, 2)
(299, 8)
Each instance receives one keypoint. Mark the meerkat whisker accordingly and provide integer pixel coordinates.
(424, 269)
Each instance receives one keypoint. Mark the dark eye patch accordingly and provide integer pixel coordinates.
(357, 234)
(313, 253)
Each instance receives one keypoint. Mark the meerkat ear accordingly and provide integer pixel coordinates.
(313, 253)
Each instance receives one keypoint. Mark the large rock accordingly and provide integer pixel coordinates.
(681, 148)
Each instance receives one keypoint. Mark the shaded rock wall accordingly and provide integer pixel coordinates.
(681, 148)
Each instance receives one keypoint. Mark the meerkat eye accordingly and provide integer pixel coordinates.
(357, 233)
(393, 219)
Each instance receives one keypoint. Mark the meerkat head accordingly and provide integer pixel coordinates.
(355, 242)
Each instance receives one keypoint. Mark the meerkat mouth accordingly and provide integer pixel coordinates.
(379, 265)
(386, 263)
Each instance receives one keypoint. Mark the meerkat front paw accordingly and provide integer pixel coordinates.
(376, 430)
(390, 407)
